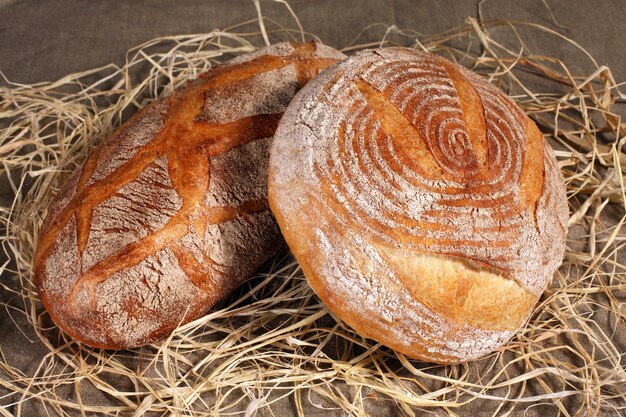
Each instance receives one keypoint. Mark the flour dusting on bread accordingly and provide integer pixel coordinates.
(381, 151)
(170, 214)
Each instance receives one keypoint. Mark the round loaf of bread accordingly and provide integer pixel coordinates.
(170, 213)
(424, 207)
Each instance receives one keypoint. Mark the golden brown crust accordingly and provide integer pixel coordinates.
(424, 207)
(170, 213)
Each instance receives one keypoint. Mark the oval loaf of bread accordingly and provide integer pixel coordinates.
(426, 210)
(170, 213)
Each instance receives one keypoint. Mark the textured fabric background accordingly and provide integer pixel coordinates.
(46, 39)
(42, 40)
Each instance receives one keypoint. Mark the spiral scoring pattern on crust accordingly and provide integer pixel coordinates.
(395, 154)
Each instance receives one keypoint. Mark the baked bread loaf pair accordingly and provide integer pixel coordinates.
(424, 207)
(170, 213)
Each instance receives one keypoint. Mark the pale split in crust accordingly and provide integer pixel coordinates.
(426, 210)
(170, 213)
